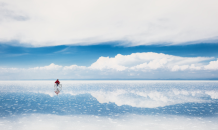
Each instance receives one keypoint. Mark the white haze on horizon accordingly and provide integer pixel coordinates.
(126, 122)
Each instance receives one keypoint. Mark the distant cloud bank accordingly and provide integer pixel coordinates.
(135, 66)
(85, 22)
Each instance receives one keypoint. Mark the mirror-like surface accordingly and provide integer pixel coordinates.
(107, 105)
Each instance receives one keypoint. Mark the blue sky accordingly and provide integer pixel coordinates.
(93, 39)
(19, 56)
(25, 58)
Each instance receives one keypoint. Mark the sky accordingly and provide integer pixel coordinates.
(93, 39)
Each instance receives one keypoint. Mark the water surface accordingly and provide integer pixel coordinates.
(110, 104)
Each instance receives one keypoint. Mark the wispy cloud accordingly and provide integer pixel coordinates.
(138, 22)
(16, 55)
(66, 50)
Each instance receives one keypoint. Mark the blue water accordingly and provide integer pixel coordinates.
(109, 105)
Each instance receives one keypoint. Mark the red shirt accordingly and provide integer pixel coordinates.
(57, 82)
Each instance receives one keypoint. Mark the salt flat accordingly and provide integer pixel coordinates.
(109, 104)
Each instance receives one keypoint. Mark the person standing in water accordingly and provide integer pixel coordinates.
(57, 82)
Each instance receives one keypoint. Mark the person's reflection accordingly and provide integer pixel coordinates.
(57, 91)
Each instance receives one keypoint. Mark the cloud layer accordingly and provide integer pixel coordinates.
(137, 66)
(138, 22)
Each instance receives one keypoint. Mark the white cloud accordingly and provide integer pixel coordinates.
(148, 61)
(73, 67)
(186, 67)
(137, 22)
(213, 65)
(137, 65)
(153, 64)
(183, 67)
(52, 66)
(107, 63)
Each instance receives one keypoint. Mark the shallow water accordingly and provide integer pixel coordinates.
(91, 104)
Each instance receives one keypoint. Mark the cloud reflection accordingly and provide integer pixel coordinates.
(145, 94)
(98, 105)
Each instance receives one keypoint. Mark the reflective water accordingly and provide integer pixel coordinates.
(117, 105)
